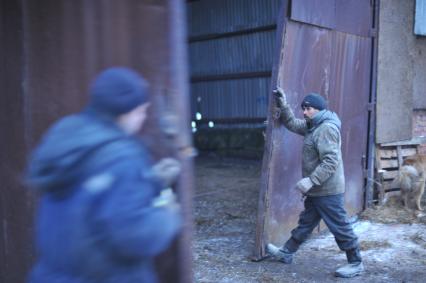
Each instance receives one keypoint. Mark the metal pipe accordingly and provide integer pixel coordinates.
(369, 188)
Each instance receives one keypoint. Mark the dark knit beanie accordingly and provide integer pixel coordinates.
(314, 100)
(117, 90)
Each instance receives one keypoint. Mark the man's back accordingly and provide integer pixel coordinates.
(96, 222)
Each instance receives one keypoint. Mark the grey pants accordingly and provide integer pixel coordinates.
(331, 209)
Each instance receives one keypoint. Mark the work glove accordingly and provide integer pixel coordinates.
(304, 185)
(166, 199)
(280, 97)
(169, 124)
(166, 170)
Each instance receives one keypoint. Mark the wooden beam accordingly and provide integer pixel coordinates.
(413, 141)
(392, 153)
(399, 151)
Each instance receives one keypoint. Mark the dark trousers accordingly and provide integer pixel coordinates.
(331, 209)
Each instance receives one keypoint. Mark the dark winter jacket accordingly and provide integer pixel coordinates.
(322, 155)
(95, 222)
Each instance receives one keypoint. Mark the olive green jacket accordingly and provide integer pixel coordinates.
(322, 155)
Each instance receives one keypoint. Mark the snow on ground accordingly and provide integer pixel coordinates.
(393, 240)
(380, 242)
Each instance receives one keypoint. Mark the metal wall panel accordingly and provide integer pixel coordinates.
(316, 12)
(225, 47)
(355, 17)
(244, 53)
(220, 16)
(338, 66)
(245, 98)
(49, 53)
(350, 16)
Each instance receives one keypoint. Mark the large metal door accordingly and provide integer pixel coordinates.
(324, 46)
(49, 52)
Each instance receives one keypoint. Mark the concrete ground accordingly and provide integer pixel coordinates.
(226, 196)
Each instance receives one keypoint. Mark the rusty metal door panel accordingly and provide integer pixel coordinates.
(354, 16)
(50, 51)
(305, 67)
(349, 16)
(336, 65)
(349, 97)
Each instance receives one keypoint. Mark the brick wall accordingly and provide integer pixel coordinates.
(419, 127)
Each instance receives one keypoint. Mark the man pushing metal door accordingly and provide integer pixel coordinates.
(323, 181)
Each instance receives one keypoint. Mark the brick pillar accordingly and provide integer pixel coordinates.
(419, 127)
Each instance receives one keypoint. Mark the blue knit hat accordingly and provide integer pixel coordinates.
(117, 90)
(314, 100)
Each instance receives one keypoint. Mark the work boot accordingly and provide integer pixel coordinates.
(354, 266)
(350, 270)
(283, 254)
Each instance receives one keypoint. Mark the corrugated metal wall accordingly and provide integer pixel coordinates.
(231, 50)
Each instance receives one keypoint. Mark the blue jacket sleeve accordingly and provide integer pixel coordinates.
(130, 226)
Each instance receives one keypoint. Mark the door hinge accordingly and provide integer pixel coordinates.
(370, 106)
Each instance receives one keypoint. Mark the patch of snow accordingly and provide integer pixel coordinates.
(394, 241)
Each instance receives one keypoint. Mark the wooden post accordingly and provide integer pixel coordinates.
(380, 175)
(399, 152)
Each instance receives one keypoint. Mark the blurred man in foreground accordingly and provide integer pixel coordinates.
(101, 216)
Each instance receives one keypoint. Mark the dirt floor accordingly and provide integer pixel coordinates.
(393, 240)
